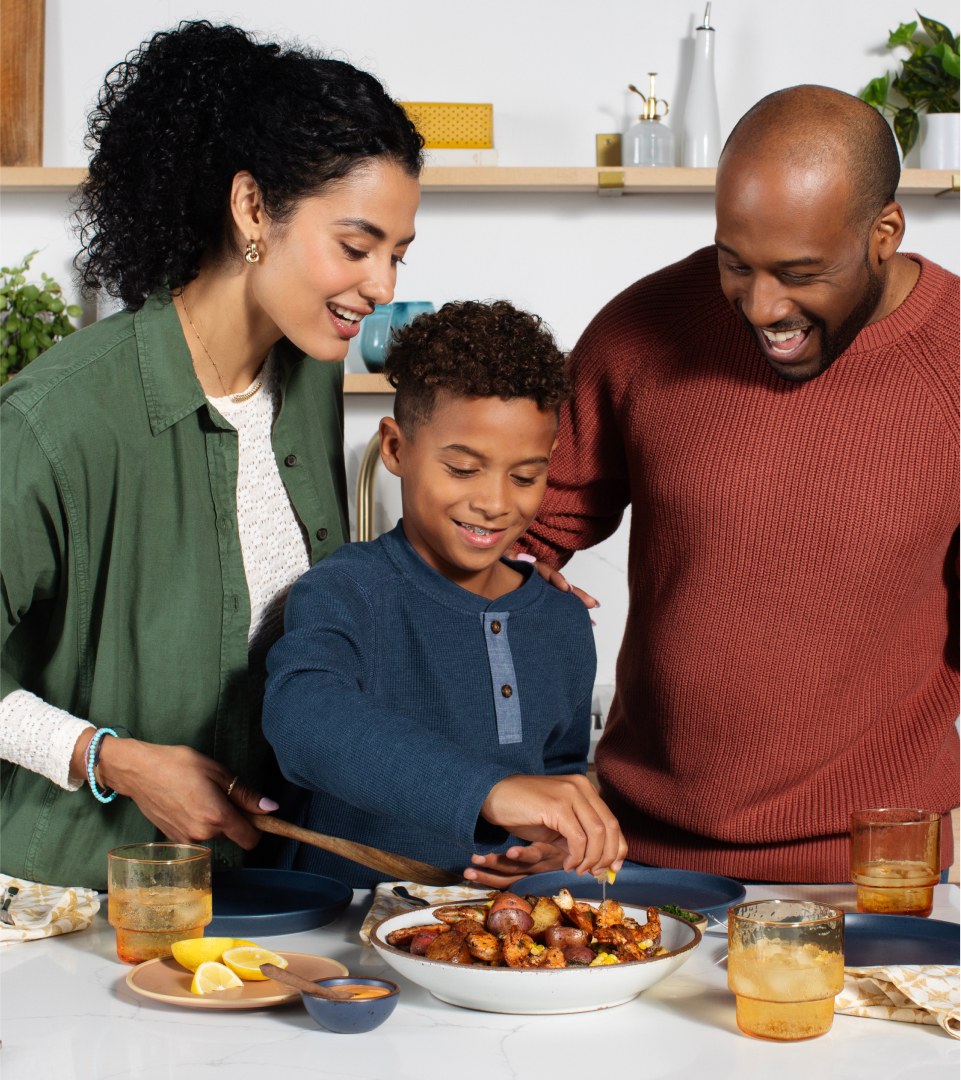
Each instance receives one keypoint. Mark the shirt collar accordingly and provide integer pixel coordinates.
(425, 577)
(171, 387)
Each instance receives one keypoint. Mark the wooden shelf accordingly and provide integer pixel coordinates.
(494, 179)
(39, 178)
(365, 383)
(587, 180)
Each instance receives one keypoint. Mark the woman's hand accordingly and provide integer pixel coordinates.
(564, 810)
(183, 792)
(500, 870)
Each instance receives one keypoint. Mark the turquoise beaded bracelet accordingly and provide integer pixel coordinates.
(93, 757)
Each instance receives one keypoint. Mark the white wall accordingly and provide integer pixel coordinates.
(556, 72)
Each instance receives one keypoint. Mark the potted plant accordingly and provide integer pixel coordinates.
(32, 317)
(926, 84)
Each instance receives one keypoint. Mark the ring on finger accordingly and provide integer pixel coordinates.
(231, 786)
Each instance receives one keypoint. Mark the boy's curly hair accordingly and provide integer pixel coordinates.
(474, 349)
(183, 114)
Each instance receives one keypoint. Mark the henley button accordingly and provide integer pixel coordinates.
(507, 690)
(321, 534)
(290, 459)
(495, 626)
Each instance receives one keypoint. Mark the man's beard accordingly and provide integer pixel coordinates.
(833, 345)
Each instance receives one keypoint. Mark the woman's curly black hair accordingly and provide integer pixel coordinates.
(182, 115)
(473, 349)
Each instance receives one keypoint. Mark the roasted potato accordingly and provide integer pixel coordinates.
(545, 914)
(509, 911)
(566, 937)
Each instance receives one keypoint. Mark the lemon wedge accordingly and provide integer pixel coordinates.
(210, 977)
(245, 961)
(192, 952)
(608, 874)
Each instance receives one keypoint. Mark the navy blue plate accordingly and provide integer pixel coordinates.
(645, 886)
(878, 940)
(252, 902)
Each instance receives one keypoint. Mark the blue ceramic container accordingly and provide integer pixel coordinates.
(351, 1017)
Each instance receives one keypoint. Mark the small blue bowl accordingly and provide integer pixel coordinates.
(351, 1017)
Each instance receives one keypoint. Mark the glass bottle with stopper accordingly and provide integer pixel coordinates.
(649, 142)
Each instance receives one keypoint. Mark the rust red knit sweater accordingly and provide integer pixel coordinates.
(790, 649)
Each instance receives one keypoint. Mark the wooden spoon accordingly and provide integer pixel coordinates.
(397, 866)
(298, 982)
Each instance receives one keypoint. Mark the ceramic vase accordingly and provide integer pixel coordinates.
(940, 141)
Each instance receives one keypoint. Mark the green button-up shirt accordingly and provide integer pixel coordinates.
(124, 595)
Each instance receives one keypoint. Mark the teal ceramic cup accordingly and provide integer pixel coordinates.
(377, 329)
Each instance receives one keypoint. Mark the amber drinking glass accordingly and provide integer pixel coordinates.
(896, 860)
(785, 965)
(157, 894)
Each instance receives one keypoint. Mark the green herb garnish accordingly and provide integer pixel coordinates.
(681, 913)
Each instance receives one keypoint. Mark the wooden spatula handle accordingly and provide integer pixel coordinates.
(398, 867)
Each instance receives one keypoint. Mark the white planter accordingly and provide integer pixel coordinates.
(940, 140)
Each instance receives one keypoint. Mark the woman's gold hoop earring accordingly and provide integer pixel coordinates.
(251, 253)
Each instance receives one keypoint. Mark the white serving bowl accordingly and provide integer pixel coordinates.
(530, 991)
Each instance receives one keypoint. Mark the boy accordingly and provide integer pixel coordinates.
(431, 694)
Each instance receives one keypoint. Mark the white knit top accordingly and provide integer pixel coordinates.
(41, 737)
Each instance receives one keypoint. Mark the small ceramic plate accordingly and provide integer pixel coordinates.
(165, 980)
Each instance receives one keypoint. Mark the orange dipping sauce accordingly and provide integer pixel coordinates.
(358, 991)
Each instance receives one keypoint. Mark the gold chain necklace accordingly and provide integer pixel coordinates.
(246, 395)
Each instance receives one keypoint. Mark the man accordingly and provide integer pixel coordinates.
(781, 413)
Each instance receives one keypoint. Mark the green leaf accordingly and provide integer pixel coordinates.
(949, 61)
(876, 92)
(906, 127)
(936, 31)
(73, 311)
(903, 35)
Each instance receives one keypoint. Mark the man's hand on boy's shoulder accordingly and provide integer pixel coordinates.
(554, 577)
(501, 869)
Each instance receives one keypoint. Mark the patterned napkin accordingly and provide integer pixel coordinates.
(928, 994)
(387, 903)
(41, 911)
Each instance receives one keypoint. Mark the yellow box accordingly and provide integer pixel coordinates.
(452, 124)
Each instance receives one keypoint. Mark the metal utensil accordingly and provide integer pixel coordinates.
(397, 866)
(414, 901)
(5, 917)
(298, 982)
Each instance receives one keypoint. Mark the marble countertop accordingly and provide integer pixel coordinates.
(67, 1013)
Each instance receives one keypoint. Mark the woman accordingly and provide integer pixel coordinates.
(171, 470)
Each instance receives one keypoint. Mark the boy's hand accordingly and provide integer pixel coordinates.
(500, 870)
(548, 809)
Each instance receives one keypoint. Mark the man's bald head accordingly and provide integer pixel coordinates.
(823, 128)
